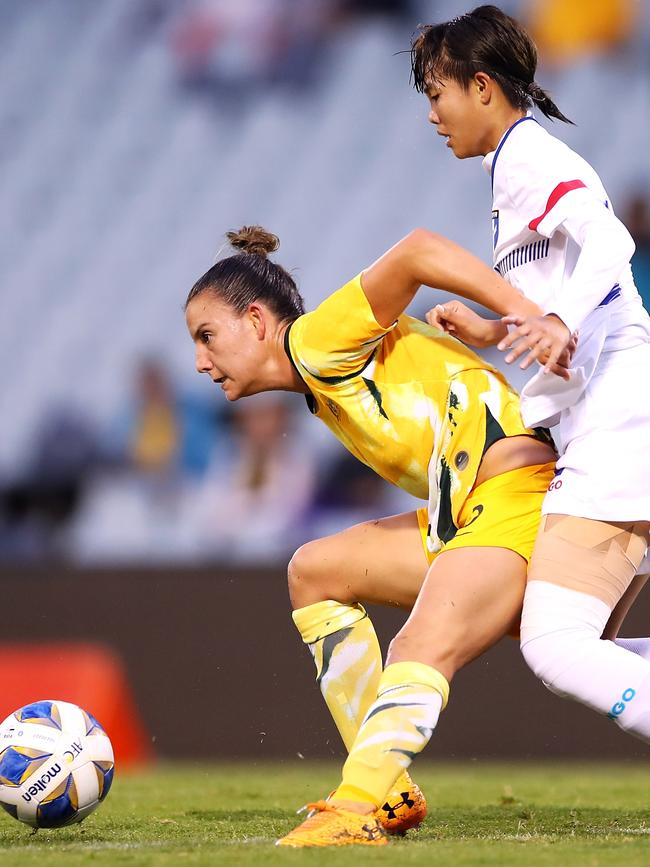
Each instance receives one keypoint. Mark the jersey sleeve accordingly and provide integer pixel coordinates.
(543, 193)
(569, 206)
(337, 339)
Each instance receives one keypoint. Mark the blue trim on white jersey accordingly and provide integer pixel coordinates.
(612, 295)
(523, 255)
(503, 141)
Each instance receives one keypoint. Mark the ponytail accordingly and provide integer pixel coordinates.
(544, 102)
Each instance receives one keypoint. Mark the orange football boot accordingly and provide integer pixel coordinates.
(331, 826)
(405, 807)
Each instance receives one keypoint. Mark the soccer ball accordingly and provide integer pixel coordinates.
(56, 764)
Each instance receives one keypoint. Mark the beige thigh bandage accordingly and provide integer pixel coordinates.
(590, 556)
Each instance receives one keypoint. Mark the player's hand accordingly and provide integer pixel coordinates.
(542, 337)
(562, 365)
(462, 322)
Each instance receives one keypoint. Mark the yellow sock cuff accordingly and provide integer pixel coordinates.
(400, 673)
(323, 618)
(352, 793)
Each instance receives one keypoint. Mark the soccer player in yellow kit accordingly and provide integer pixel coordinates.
(427, 414)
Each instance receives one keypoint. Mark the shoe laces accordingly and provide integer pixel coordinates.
(315, 807)
(316, 812)
(321, 806)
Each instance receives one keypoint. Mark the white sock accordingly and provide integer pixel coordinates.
(560, 641)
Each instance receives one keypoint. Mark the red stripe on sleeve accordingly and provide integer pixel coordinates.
(561, 190)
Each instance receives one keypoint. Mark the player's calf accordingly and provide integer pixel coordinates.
(444, 650)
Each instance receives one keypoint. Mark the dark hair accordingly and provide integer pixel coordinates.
(250, 276)
(484, 40)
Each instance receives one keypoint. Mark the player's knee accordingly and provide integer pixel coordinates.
(556, 658)
(560, 631)
(305, 575)
(539, 656)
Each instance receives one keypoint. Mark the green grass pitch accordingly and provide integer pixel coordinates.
(479, 813)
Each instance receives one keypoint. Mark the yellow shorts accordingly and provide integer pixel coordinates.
(503, 512)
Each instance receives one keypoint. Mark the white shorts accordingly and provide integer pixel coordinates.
(604, 444)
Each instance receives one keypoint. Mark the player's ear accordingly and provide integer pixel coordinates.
(258, 316)
(483, 86)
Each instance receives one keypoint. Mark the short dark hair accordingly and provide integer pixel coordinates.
(250, 276)
(483, 40)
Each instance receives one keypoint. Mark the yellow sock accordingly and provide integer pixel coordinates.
(397, 727)
(348, 660)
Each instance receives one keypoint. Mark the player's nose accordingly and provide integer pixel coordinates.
(203, 363)
(433, 117)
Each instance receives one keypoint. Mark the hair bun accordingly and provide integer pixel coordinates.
(254, 241)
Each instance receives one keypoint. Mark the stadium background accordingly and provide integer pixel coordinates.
(139, 514)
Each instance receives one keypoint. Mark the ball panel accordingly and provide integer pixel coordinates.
(59, 807)
(12, 809)
(72, 718)
(36, 735)
(17, 764)
(41, 712)
(85, 811)
(92, 726)
(104, 772)
(98, 748)
(87, 784)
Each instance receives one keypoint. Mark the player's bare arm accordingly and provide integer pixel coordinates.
(424, 258)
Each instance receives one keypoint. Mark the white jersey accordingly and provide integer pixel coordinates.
(556, 239)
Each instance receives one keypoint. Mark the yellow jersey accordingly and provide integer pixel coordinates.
(411, 402)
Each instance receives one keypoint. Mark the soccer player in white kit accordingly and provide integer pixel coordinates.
(557, 240)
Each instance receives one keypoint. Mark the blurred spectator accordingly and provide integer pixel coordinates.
(35, 510)
(159, 447)
(253, 502)
(350, 492)
(144, 18)
(637, 220)
(162, 431)
(155, 436)
(351, 486)
(226, 47)
(565, 31)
